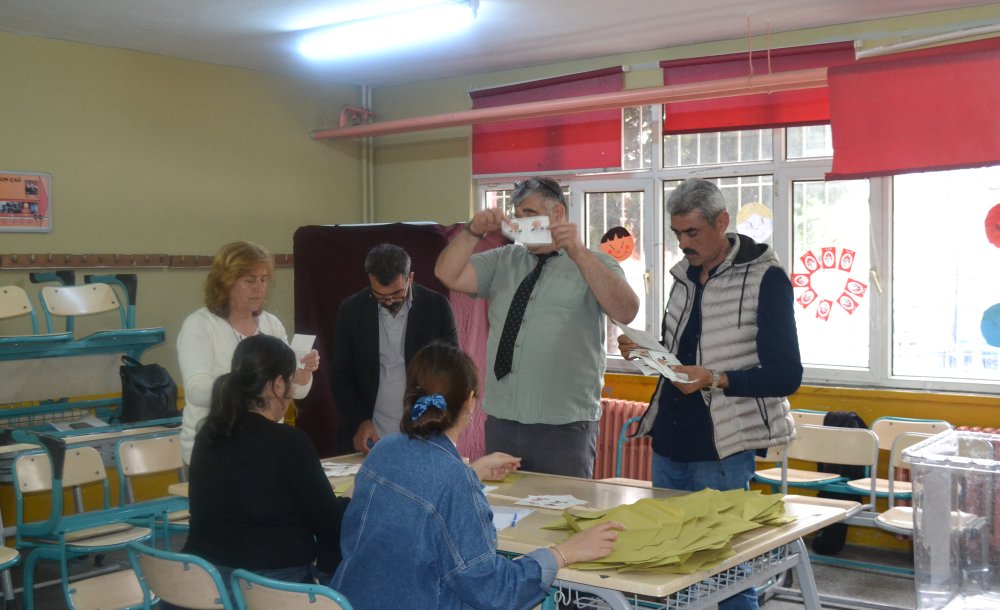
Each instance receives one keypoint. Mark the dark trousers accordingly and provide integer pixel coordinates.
(566, 449)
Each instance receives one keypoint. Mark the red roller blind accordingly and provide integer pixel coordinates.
(587, 140)
(781, 109)
(925, 110)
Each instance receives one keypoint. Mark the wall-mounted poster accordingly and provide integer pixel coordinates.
(25, 202)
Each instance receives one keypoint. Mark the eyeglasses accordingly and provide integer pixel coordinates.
(389, 299)
(534, 184)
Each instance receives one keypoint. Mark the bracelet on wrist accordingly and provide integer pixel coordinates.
(556, 548)
(468, 229)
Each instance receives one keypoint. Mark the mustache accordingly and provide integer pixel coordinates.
(689, 251)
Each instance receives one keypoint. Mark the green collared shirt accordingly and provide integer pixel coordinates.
(559, 356)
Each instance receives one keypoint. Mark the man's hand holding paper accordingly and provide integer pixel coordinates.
(645, 351)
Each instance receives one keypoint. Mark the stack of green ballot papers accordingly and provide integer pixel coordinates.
(678, 535)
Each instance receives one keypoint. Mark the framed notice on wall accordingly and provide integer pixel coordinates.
(25, 202)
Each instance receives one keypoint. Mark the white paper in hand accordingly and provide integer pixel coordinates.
(528, 230)
(301, 345)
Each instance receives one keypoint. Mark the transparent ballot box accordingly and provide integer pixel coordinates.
(956, 539)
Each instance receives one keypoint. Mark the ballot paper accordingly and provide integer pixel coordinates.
(554, 502)
(652, 358)
(507, 516)
(302, 345)
(528, 230)
(336, 469)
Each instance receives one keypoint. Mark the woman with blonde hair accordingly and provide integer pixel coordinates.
(235, 290)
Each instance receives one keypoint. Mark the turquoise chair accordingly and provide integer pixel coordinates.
(142, 456)
(8, 559)
(180, 579)
(63, 537)
(255, 592)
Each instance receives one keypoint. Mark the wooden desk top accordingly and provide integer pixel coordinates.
(811, 515)
(88, 438)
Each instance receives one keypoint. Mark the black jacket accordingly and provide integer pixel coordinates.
(354, 366)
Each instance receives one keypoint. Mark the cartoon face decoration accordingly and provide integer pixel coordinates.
(755, 220)
(993, 225)
(618, 243)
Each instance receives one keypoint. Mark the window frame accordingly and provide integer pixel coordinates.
(784, 172)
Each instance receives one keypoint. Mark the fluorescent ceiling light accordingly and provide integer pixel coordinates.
(387, 31)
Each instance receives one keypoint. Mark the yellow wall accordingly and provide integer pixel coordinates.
(156, 155)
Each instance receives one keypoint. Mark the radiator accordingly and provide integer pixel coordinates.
(637, 454)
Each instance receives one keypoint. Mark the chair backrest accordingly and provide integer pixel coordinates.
(14, 302)
(255, 592)
(901, 442)
(84, 300)
(808, 416)
(888, 428)
(33, 474)
(144, 456)
(178, 578)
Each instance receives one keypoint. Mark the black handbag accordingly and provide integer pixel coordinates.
(148, 392)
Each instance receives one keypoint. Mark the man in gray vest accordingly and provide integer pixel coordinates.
(730, 321)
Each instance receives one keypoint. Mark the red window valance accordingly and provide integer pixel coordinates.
(932, 109)
(587, 140)
(781, 109)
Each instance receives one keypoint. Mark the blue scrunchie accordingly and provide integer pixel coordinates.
(420, 406)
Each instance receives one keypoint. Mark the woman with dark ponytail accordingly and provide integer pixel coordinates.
(259, 497)
(419, 532)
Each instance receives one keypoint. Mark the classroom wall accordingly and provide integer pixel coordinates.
(156, 155)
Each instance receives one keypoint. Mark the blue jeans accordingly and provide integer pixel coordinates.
(733, 472)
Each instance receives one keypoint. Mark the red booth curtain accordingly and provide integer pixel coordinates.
(585, 140)
(932, 109)
(757, 111)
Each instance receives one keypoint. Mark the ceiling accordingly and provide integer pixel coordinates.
(507, 34)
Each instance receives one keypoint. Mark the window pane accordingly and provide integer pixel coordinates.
(624, 209)
(808, 141)
(830, 249)
(637, 137)
(944, 274)
(717, 147)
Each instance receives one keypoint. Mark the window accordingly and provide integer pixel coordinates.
(892, 276)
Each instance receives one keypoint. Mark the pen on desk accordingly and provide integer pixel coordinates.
(513, 522)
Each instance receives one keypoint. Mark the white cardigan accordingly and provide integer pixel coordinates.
(205, 349)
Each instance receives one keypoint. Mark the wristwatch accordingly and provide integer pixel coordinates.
(715, 381)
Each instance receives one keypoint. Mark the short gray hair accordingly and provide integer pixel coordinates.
(697, 195)
(546, 188)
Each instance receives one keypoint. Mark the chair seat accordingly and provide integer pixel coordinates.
(901, 489)
(796, 477)
(8, 557)
(101, 536)
(115, 590)
(898, 519)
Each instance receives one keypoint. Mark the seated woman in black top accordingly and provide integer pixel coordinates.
(259, 497)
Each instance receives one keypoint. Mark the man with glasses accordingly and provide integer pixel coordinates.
(378, 331)
(545, 352)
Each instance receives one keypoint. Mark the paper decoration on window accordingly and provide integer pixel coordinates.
(618, 243)
(990, 325)
(823, 272)
(755, 220)
(993, 225)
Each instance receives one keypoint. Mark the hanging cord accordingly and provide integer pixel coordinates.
(749, 45)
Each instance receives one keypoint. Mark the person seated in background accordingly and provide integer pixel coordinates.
(419, 519)
(235, 290)
(259, 497)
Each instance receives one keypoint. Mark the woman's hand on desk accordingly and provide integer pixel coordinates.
(495, 466)
(589, 544)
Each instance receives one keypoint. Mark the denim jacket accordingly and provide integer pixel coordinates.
(418, 533)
